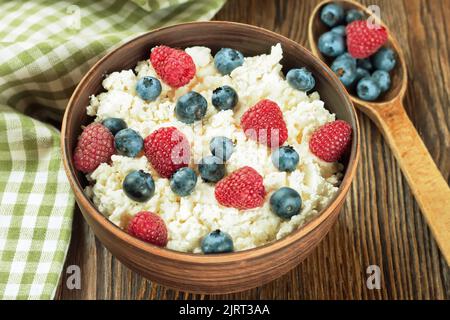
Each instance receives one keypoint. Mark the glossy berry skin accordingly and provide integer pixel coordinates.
(191, 107)
(353, 15)
(128, 142)
(345, 69)
(331, 141)
(332, 14)
(301, 79)
(167, 150)
(361, 73)
(114, 125)
(363, 40)
(243, 189)
(224, 98)
(94, 147)
(384, 59)
(148, 227)
(226, 60)
(367, 89)
(285, 202)
(221, 147)
(175, 67)
(383, 79)
(139, 186)
(264, 123)
(183, 181)
(331, 44)
(148, 88)
(217, 242)
(211, 169)
(285, 158)
(340, 30)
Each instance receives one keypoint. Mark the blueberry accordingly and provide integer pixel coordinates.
(224, 98)
(183, 181)
(191, 107)
(332, 14)
(211, 169)
(285, 202)
(384, 59)
(217, 242)
(226, 60)
(353, 15)
(361, 73)
(128, 142)
(114, 125)
(345, 69)
(383, 79)
(285, 158)
(301, 79)
(221, 147)
(148, 88)
(367, 89)
(364, 63)
(139, 186)
(331, 44)
(340, 30)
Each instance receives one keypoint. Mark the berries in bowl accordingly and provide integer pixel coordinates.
(356, 47)
(215, 150)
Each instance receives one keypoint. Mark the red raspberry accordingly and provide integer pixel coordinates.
(174, 66)
(331, 141)
(168, 150)
(95, 146)
(148, 227)
(264, 123)
(243, 189)
(362, 41)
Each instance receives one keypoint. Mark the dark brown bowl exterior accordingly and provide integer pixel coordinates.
(208, 273)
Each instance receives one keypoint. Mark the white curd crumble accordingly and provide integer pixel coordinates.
(190, 218)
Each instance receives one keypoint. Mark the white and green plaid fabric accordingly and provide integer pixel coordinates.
(45, 48)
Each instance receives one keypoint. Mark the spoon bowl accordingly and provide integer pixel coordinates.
(399, 75)
(425, 180)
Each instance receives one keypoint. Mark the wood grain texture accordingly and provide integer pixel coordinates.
(380, 224)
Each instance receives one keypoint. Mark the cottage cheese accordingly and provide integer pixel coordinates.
(190, 218)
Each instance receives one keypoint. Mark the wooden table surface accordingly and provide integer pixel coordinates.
(380, 224)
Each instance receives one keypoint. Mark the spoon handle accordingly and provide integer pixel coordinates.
(425, 180)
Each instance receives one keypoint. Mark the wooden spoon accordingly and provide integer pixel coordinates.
(425, 180)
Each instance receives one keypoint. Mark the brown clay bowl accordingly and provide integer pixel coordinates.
(194, 272)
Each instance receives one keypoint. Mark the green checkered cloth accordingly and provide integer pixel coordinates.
(45, 49)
